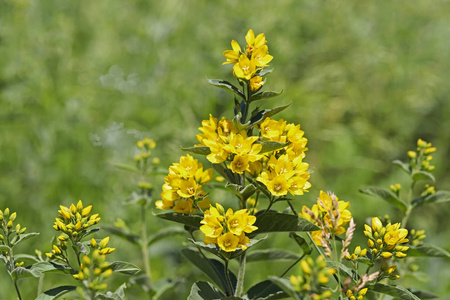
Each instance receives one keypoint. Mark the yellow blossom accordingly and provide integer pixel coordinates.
(232, 56)
(228, 242)
(256, 82)
(245, 68)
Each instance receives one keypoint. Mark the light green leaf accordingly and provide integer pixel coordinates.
(386, 196)
(201, 150)
(163, 233)
(394, 291)
(23, 237)
(56, 292)
(37, 269)
(164, 285)
(265, 290)
(271, 254)
(202, 290)
(5, 248)
(124, 267)
(427, 250)
(278, 222)
(286, 286)
(189, 220)
(404, 166)
(423, 175)
(26, 256)
(212, 268)
(301, 242)
(438, 197)
(125, 234)
(264, 95)
(265, 72)
(226, 85)
(128, 168)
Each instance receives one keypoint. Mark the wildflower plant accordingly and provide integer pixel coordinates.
(262, 162)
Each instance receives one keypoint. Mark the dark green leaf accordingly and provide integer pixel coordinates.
(395, 291)
(267, 113)
(202, 290)
(271, 254)
(228, 174)
(278, 222)
(438, 197)
(124, 267)
(56, 292)
(212, 268)
(286, 286)
(222, 254)
(265, 290)
(271, 146)
(125, 234)
(343, 269)
(226, 85)
(301, 242)
(264, 95)
(423, 175)
(242, 192)
(386, 196)
(163, 233)
(422, 294)
(201, 150)
(427, 250)
(404, 166)
(89, 232)
(189, 220)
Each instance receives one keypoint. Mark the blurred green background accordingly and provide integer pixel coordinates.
(82, 81)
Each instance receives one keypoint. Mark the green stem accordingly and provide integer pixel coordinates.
(409, 209)
(144, 242)
(17, 289)
(241, 275)
(41, 284)
(293, 264)
(227, 276)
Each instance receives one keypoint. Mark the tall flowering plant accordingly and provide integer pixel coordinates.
(261, 161)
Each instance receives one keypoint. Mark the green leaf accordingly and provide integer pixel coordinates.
(124, 267)
(286, 286)
(427, 250)
(278, 222)
(268, 146)
(226, 85)
(89, 232)
(202, 290)
(117, 295)
(26, 256)
(394, 291)
(422, 294)
(23, 237)
(228, 174)
(301, 242)
(201, 150)
(125, 234)
(264, 72)
(37, 269)
(222, 254)
(163, 233)
(242, 192)
(438, 197)
(264, 95)
(56, 292)
(267, 113)
(404, 166)
(128, 168)
(271, 254)
(423, 175)
(212, 268)
(164, 285)
(265, 290)
(386, 196)
(189, 220)
(5, 248)
(343, 269)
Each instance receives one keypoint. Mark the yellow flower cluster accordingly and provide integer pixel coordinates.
(182, 189)
(359, 296)
(315, 274)
(227, 230)
(385, 241)
(357, 253)
(94, 270)
(75, 220)
(7, 224)
(247, 64)
(421, 158)
(329, 213)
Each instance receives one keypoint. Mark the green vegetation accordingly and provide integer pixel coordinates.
(82, 81)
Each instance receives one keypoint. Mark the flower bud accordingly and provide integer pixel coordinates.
(93, 243)
(104, 242)
(412, 154)
(386, 254)
(13, 216)
(9, 225)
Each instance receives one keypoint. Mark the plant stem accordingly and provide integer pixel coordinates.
(241, 275)
(293, 264)
(17, 289)
(227, 276)
(41, 284)
(144, 243)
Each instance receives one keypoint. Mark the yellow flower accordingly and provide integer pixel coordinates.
(396, 236)
(254, 43)
(188, 188)
(232, 56)
(184, 207)
(261, 56)
(240, 222)
(256, 83)
(243, 241)
(245, 68)
(272, 129)
(212, 227)
(228, 242)
(239, 164)
(278, 186)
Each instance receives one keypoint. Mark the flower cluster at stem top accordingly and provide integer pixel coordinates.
(182, 189)
(247, 63)
(227, 230)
